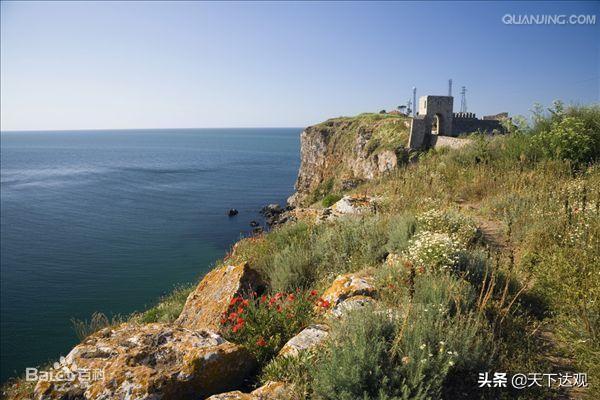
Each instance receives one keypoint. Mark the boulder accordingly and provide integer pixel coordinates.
(254, 224)
(354, 205)
(269, 391)
(205, 306)
(232, 212)
(351, 304)
(152, 361)
(349, 285)
(308, 338)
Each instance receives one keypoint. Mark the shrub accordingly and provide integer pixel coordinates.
(331, 199)
(356, 363)
(567, 139)
(433, 252)
(458, 226)
(264, 324)
(400, 230)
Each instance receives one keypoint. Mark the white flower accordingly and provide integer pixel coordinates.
(450, 363)
(442, 343)
(422, 346)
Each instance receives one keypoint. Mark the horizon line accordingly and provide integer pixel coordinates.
(147, 129)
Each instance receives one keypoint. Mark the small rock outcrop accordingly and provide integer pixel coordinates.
(308, 338)
(152, 361)
(207, 303)
(232, 212)
(349, 285)
(269, 391)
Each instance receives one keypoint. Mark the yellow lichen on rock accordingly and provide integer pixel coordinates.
(207, 303)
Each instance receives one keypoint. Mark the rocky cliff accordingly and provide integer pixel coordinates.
(340, 153)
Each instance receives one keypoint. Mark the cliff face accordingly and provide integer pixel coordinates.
(340, 153)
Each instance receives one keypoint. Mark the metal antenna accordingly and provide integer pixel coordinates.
(414, 101)
(450, 87)
(463, 100)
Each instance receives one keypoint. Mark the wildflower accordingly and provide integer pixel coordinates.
(450, 363)
(245, 302)
(263, 298)
(422, 346)
(237, 326)
(232, 316)
(240, 310)
(442, 344)
(405, 360)
(240, 320)
(261, 342)
(291, 297)
(313, 293)
(323, 303)
(278, 296)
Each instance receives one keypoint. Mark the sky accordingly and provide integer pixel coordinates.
(110, 65)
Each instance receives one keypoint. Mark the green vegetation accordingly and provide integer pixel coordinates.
(331, 199)
(485, 258)
(264, 324)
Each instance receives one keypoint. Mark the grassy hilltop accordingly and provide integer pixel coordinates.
(485, 259)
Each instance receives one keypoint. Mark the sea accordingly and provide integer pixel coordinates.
(111, 220)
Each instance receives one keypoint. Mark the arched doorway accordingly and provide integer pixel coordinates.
(436, 125)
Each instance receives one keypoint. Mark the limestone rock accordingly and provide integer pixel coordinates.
(269, 391)
(351, 304)
(349, 285)
(308, 338)
(354, 205)
(150, 362)
(207, 303)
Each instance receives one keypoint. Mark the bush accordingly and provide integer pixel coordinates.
(401, 230)
(433, 252)
(356, 362)
(331, 199)
(458, 226)
(567, 139)
(263, 325)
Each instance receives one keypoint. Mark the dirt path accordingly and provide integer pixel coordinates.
(494, 233)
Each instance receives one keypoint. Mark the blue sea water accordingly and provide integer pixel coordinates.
(109, 221)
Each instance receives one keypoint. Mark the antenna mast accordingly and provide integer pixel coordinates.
(450, 87)
(414, 101)
(463, 99)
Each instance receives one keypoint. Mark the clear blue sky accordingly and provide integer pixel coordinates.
(75, 65)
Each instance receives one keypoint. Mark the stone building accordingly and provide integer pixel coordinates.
(436, 118)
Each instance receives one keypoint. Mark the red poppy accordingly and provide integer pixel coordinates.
(261, 342)
(232, 316)
(238, 326)
(240, 310)
(279, 309)
(313, 293)
(245, 303)
(263, 298)
(291, 297)
(278, 295)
